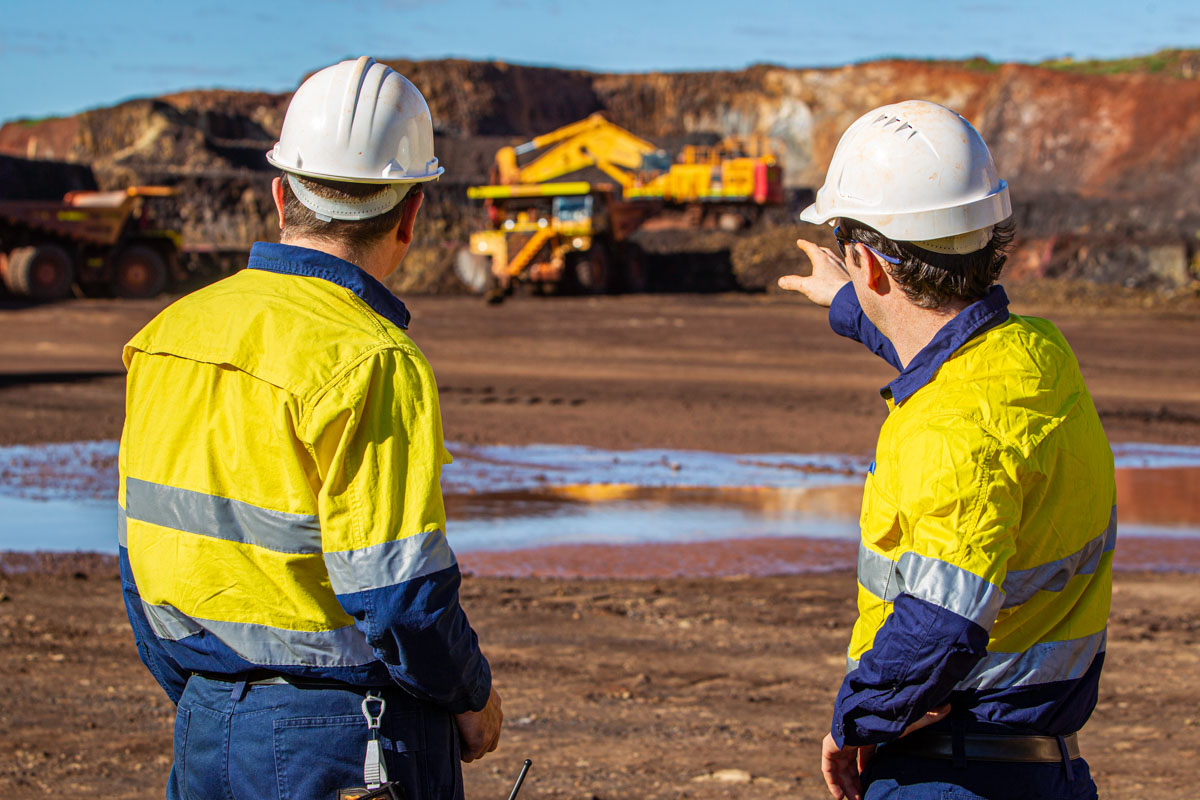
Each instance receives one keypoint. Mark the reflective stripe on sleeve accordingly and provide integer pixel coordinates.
(265, 645)
(1021, 585)
(122, 528)
(931, 580)
(1045, 662)
(389, 563)
(221, 517)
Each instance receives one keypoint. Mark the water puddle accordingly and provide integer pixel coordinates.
(576, 511)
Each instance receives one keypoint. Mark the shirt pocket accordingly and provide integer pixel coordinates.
(879, 522)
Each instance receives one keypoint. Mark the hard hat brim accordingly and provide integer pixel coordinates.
(432, 176)
(813, 216)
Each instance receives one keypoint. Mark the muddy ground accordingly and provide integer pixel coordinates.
(696, 688)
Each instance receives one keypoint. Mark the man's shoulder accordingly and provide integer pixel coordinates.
(1015, 383)
(292, 331)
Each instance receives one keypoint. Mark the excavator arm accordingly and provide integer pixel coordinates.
(590, 142)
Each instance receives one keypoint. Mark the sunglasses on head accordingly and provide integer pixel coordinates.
(843, 240)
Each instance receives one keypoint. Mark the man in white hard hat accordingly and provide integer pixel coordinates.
(988, 519)
(282, 536)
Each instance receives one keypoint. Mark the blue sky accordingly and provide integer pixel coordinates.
(63, 57)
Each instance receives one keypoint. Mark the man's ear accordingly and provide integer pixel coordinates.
(277, 196)
(878, 279)
(412, 204)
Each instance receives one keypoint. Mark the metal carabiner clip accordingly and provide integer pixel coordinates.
(373, 720)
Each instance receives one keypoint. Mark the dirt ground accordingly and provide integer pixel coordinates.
(735, 373)
(616, 689)
(673, 687)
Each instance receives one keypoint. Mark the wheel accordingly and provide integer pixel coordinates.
(139, 271)
(636, 278)
(474, 270)
(40, 272)
(591, 271)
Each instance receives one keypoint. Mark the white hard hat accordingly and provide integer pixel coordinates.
(916, 172)
(358, 122)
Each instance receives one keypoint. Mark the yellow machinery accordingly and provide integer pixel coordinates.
(555, 233)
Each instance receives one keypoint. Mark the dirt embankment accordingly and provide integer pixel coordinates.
(1104, 169)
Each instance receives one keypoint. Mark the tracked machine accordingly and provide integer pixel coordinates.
(562, 207)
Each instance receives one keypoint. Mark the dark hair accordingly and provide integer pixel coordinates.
(357, 235)
(931, 279)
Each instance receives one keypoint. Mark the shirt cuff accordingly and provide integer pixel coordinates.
(844, 312)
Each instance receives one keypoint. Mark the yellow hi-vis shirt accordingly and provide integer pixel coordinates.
(280, 487)
(988, 526)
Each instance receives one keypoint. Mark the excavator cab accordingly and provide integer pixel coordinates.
(574, 211)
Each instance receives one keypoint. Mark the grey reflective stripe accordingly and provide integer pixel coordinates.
(874, 571)
(389, 563)
(169, 623)
(931, 580)
(1021, 585)
(1045, 662)
(851, 665)
(221, 517)
(267, 646)
(122, 527)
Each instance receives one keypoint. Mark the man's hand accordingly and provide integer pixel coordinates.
(936, 715)
(841, 768)
(828, 275)
(479, 731)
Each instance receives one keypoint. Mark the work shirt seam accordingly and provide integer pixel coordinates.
(200, 358)
(351, 365)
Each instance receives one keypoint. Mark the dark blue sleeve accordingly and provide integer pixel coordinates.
(419, 630)
(847, 319)
(918, 657)
(170, 676)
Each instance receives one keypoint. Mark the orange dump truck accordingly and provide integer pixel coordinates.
(101, 242)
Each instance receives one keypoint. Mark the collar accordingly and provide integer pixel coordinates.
(980, 316)
(289, 259)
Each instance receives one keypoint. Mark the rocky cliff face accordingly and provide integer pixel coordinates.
(1104, 169)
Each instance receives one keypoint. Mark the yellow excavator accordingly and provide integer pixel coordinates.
(572, 234)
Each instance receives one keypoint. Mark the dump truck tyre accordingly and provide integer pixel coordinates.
(474, 270)
(139, 272)
(40, 272)
(592, 271)
(637, 279)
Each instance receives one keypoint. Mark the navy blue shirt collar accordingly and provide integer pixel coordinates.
(291, 260)
(980, 316)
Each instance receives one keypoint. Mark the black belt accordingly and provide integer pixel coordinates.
(267, 678)
(988, 747)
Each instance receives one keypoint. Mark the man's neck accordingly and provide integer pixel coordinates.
(374, 262)
(911, 328)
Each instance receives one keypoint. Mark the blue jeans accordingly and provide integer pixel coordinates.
(901, 777)
(282, 742)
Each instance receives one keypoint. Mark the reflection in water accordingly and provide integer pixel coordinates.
(1164, 498)
(564, 510)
